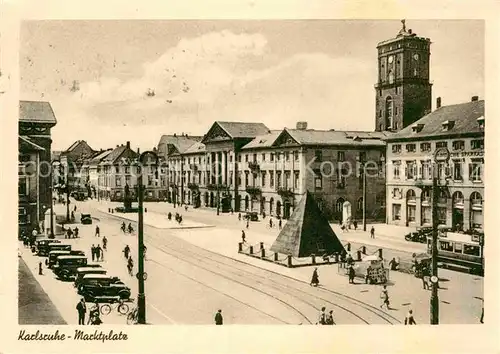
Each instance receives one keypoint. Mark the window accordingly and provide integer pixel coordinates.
(471, 250)
(271, 157)
(278, 156)
(441, 144)
(457, 170)
(426, 171)
(288, 183)
(318, 154)
(397, 92)
(397, 193)
(341, 156)
(23, 217)
(22, 187)
(388, 111)
(271, 179)
(263, 157)
(411, 211)
(396, 149)
(118, 181)
(230, 158)
(263, 177)
(296, 181)
(458, 145)
(477, 144)
(127, 180)
(246, 178)
(441, 215)
(411, 168)
(458, 247)
(278, 179)
(411, 147)
(475, 170)
(117, 169)
(296, 155)
(396, 211)
(287, 156)
(254, 157)
(239, 158)
(246, 157)
(426, 215)
(127, 169)
(396, 169)
(446, 246)
(424, 147)
(318, 181)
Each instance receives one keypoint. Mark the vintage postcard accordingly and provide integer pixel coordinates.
(182, 172)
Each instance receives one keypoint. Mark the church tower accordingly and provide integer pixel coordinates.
(403, 90)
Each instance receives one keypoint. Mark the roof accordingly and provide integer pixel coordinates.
(196, 148)
(73, 146)
(26, 143)
(263, 141)
(181, 143)
(83, 269)
(36, 112)
(243, 129)
(55, 155)
(100, 276)
(333, 137)
(464, 115)
(101, 155)
(116, 153)
(307, 232)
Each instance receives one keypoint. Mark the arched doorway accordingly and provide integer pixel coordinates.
(246, 203)
(262, 204)
(457, 214)
(278, 208)
(271, 204)
(347, 212)
(476, 211)
(411, 206)
(339, 204)
(286, 209)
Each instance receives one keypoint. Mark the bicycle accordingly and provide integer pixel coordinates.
(121, 307)
(133, 316)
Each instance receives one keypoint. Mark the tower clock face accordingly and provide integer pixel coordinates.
(416, 56)
(391, 59)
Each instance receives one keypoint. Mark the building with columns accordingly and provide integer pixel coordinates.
(460, 129)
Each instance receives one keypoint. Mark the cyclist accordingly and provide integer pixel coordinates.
(123, 227)
(104, 243)
(144, 249)
(126, 251)
(130, 265)
(130, 228)
(94, 318)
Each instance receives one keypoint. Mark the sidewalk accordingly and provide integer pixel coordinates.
(34, 305)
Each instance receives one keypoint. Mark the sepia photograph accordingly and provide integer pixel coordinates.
(251, 172)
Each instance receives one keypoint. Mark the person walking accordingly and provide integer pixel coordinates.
(248, 223)
(92, 250)
(97, 231)
(279, 223)
(239, 216)
(315, 278)
(218, 318)
(409, 320)
(355, 224)
(40, 268)
(372, 232)
(98, 253)
(384, 295)
(322, 316)
(130, 265)
(243, 236)
(104, 243)
(76, 232)
(74, 209)
(271, 223)
(126, 251)
(82, 309)
(352, 274)
(329, 318)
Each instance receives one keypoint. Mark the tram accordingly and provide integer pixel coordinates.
(460, 250)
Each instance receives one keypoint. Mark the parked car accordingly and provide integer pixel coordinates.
(43, 247)
(100, 287)
(252, 216)
(82, 271)
(66, 266)
(53, 255)
(86, 219)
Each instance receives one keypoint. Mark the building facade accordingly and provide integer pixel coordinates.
(36, 119)
(403, 90)
(458, 128)
(74, 162)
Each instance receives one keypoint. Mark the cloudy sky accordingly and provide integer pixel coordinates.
(275, 72)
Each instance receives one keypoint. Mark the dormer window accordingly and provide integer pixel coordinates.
(448, 125)
(480, 122)
(417, 128)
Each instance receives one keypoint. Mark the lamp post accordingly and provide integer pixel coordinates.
(51, 234)
(441, 155)
(141, 275)
(364, 196)
(218, 198)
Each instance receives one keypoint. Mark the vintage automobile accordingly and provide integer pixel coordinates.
(43, 246)
(53, 255)
(66, 266)
(86, 219)
(82, 271)
(252, 216)
(103, 288)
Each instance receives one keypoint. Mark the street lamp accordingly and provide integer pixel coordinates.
(364, 195)
(141, 275)
(51, 234)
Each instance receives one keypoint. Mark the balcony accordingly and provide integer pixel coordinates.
(193, 167)
(254, 166)
(253, 191)
(216, 186)
(193, 186)
(284, 192)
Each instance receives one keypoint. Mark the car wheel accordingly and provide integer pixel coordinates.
(124, 294)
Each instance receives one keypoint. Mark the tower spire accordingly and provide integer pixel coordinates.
(404, 25)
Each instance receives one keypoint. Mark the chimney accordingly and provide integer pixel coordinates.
(128, 144)
(474, 98)
(138, 151)
(438, 102)
(117, 146)
(301, 126)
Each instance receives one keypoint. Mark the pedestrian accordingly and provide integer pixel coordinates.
(218, 318)
(426, 278)
(329, 318)
(130, 228)
(355, 223)
(74, 209)
(72, 216)
(232, 211)
(144, 249)
(352, 274)
(372, 232)
(98, 253)
(409, 320)
(243, 236)
(384, 295)
(130, 265)
(322, 316)
(70, 233)
(104, 243)
(126, 251)
(279, 223)
(97, 231)
(76, 232)
(248, 223)
(271, 223)
(92, 250)
(315, 278)
(81, 308)
(239, 216)
(40, 268)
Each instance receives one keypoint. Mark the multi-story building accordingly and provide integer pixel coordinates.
(403, 90)
(460, 129)
(195, 173)
(73, 163)
(94, 170)
(34, 185)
